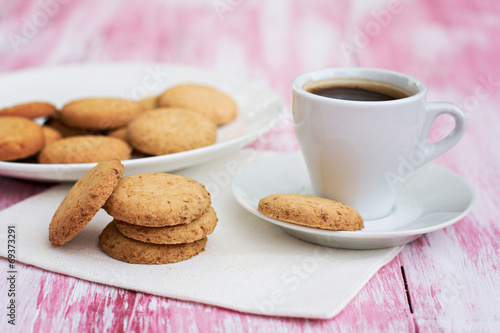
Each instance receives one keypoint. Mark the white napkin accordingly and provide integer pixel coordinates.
(249, 265)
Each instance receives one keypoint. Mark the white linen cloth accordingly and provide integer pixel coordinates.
(249, 265)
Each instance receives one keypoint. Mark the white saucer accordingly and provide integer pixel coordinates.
(430, 199)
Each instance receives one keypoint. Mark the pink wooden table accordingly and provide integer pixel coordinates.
(452, 275)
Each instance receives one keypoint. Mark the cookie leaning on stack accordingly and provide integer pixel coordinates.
(84, 200)
(159, 218)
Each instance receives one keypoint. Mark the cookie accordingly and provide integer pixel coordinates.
(84, 200)
(170, 130)
(29, 110)
(19, 138)
(84, 149)
(99, 113)
(158, 200)
(213, 103)
(149, 103)
(311, 211)
(117, 246)
(177, 234)
(50, 134)
(54, 121)
(120, 133)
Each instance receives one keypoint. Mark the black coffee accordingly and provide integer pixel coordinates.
(367, 93)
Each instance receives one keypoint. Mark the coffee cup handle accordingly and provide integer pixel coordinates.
(433, 110)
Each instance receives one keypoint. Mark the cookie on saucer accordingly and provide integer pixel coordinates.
(311, 211)
(84, 200)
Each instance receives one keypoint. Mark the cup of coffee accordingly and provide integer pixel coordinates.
(362, 130)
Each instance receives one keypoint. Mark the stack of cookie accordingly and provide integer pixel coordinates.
(158, 218)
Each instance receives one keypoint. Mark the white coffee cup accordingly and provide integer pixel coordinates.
(356, 152)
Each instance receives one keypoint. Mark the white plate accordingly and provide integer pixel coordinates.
(258, 108)
(430, 199)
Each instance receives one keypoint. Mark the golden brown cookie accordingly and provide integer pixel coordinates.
(29, 110)
(216, 105)
(54, 121)
(84, 149)
(149, 103)
(50, 134)
(83, 201)
(66, 131)
(158, 200)
(120, 133)
(177, 234)
(19, 138)
(170, 130)
(99, 113)
(311, 211)
(117, 246)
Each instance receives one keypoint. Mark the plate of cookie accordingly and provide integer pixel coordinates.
(57, 122)
(430, 199)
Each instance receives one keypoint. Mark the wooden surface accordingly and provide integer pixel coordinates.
(452, 275)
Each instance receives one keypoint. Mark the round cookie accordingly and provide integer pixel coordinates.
(83, 201)
(54, 121)
(311, 211)
(177, 234)
(170, 130)
(50, 134)
(99, 113)
(148, 103)
(117, 246)
(120, 133)
(84, 149)
(29, 110)
(158, 200)
(19, 138)
(213, 103)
